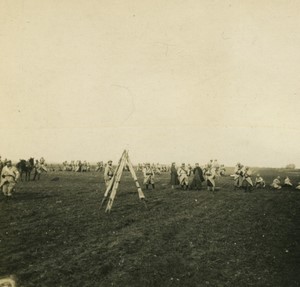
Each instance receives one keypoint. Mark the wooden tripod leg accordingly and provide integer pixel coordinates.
(112, 181)
(141, 194)
(115, 186)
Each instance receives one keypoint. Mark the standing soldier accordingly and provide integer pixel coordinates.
(238, 175)
(197, 178)
(183, 178)
(78, 166)
(174, 177)
(43, 164)
(210, 176)
(9, 178)
(247, 181)
(73, 165)
(108, 173)
(190, 175)
(37, 170)
(149, 176)
(84, 166)
(1, 165)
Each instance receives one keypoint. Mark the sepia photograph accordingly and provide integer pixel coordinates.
(150, 143)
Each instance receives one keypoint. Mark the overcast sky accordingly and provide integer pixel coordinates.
(170, 80)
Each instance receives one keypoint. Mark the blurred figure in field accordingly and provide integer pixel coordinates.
(247, 183)
(43, 164)
(108, 173)
(215, 164)
(1, 165)
(238, 175)
(298, 186)
(174, 176)
(139, 167)
(259, 181)
(183, 178)
(149, 176)
(158, 168)
(287, 182)
(99, 166)
(276, 184)
(84, 166)
(37, 170)
(78, 166)
(222, 170)
(190, 175)
(9, 178)
(210, 176)
(197, 178)
(73, 165)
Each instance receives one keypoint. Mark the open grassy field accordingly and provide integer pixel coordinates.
(54, 234)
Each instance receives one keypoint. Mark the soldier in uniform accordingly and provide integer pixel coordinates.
(238, 175)
(43, 164)
(149, 176)
(174, 176)
(1, 165)
(190, 175)
(247, 181)
(222, 170)
(259, 181)
(37, 170)
(287, 182)
(210, 175)
(9, 178)
(108, 172)
(276, 184)
(98, 167)
(183, 178)
(197, 178)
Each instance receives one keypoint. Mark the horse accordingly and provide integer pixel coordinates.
(25, 167)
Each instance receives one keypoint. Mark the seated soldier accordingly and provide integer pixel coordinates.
(287, 182)
(276, 184)
(259, 181)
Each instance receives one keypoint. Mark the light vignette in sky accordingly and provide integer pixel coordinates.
(183, 81)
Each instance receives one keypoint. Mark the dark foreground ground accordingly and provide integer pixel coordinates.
(54, 234)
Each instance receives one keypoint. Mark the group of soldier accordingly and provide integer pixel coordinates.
(76, 166)
(157, 168)
(184, 176)
(10, 174)
(188, 177)
(243, 178)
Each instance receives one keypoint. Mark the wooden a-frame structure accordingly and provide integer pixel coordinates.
(111, 189)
